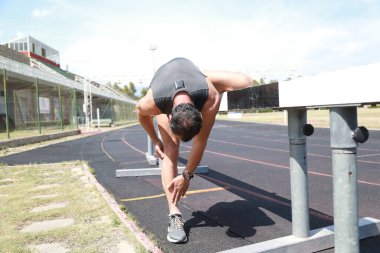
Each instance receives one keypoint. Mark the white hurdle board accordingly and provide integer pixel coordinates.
(356, 85)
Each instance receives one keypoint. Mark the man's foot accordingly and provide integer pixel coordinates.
(176, 231)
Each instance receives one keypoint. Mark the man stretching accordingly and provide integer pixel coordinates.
(185, 102)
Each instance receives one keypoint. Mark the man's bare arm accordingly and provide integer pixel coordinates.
(197, 150)
(222, 81)
(179, 185)
(200, 141)
(146, 109)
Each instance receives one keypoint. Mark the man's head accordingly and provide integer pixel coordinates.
(186, 121)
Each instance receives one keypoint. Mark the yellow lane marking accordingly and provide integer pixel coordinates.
(188, 193)
(208, 190)
(142, 198)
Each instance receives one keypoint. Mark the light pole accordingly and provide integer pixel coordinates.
(153, 48)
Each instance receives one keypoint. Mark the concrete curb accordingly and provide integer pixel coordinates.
(36, 139)
(140, 236)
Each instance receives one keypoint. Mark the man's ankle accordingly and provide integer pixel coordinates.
(175, 212)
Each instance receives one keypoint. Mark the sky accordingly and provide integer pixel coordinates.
(111, 40)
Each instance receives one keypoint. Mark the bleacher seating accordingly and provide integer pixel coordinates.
(14, 55)
(60, 71)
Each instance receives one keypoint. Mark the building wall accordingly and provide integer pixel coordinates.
(32, 47)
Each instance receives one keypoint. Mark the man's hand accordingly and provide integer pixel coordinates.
(178, 187)
(159, 147)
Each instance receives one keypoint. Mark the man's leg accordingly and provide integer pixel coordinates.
(169, 163)
(176, 231)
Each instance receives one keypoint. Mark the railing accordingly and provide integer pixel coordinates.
(44, 68)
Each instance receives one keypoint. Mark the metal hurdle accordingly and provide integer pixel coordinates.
(153, 161)
(342, 100)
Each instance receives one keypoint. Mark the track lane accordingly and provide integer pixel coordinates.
(255, 207)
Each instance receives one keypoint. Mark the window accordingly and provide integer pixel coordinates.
(26, 46)
(21, 46)
(33, 48)
(16, 46)
(43, 52)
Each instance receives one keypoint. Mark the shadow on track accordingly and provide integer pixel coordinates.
(242, 217)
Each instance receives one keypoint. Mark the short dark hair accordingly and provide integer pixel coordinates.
(186, 121)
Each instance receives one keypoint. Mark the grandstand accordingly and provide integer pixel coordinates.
(36, 94)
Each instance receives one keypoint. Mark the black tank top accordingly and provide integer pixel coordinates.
(178, 75)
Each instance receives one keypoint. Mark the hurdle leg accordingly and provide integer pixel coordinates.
(298, 173)
(152, 160)
(343, 121)
(344, 235)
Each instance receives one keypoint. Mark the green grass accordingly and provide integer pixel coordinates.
(368, 117)
(96, 227)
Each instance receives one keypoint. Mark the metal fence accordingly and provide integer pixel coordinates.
(32, 106)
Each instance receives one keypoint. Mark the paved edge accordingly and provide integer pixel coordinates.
(35, 139)
(131, 225)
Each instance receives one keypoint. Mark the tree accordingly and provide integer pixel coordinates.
(130, 89)
(143, 91)
(255, 83)
(115, 86)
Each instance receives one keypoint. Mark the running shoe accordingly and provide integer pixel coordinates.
(176, 231)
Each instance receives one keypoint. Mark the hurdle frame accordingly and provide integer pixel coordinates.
(153, 161)
(348, 229)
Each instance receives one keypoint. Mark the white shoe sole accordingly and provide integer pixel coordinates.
(176, 241)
